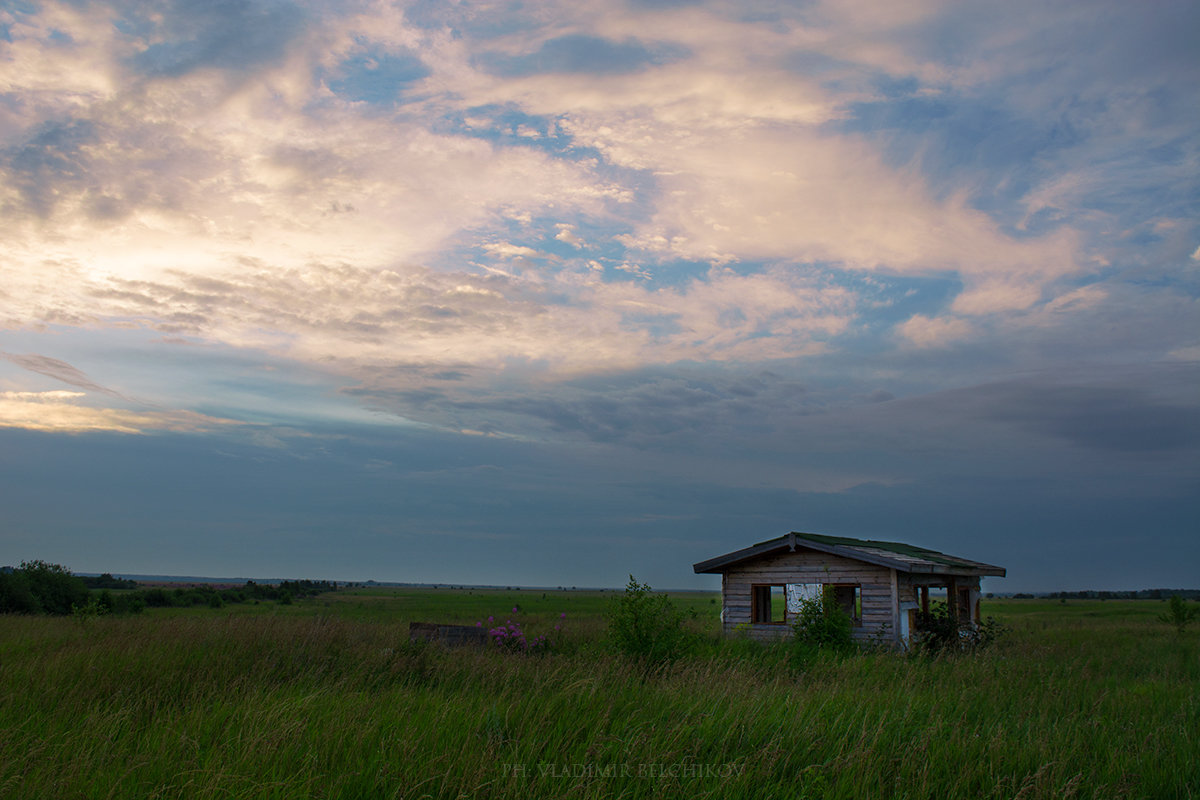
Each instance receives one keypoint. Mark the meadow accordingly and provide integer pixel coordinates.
(326, 698)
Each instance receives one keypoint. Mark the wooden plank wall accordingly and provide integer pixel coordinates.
(907, 588)
(808, 566)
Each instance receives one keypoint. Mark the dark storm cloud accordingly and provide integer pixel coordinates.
(641, 409)
(1161, 416)
(1046, 428)
(1119, 419)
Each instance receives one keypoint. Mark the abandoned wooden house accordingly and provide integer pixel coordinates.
(881, 585)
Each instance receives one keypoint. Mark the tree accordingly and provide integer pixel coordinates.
(16, 594)
(1179, 613)
(54, 587)
(37, 587)
(647, 626)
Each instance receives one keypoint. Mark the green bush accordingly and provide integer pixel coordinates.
(38, 587)
(647, 626)
(821, 626)
(104, 599)
(939, 631)
(89, 610)
(130, 603)
(156, 597)
(16, 594)
(1179, 613)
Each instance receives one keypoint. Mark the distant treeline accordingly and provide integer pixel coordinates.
(284, 592)
(107, 581)
(37, 587)
(1140, 594)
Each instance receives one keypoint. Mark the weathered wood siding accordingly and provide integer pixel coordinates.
(907, 588)
(808, 566)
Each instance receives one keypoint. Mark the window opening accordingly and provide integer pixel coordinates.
(849, 599)
(769, 604)
(773, 603)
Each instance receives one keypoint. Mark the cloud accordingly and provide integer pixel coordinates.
(59, 412)
(1109, 419)
(230, 35)
(828, 261)
(746, 167)
(925, 331)
(1144, 411)
(212, 171)
(352, 318)
(360, 190)
(643, 409)
(509, 250)
(566, 233)
(579, 53)
(59, 370)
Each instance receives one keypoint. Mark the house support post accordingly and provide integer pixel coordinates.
(952, 599)
(895, 634)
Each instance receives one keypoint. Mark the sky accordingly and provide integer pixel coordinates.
(554, 293)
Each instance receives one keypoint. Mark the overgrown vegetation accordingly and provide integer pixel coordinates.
(511, 637)
(648, 627)
(283, 592)
(1139, 594)
(107, 581)
(36, 587)
(1179, 613)
(939, 631)
(821, 626)
(327, 698)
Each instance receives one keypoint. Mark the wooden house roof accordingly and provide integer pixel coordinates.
(894, 555)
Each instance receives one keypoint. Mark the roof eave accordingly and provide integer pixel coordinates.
(975, 570)
(790, 541)
(718, 564)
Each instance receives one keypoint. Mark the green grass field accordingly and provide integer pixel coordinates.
(326, 698)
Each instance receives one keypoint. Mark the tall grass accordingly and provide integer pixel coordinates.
(329, 699)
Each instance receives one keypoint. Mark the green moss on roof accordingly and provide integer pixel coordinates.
(900, 548)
